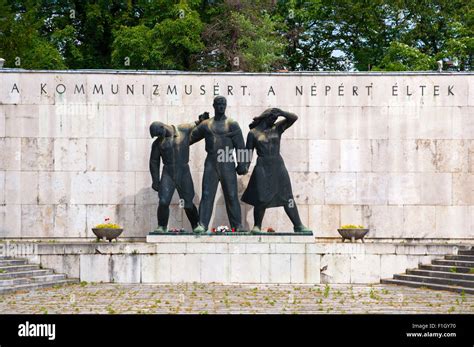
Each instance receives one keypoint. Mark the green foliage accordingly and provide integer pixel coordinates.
(241, 36)
(327, 289)
(65, 40)
(20, 43)
(42, 55)
(168, 45)
(177, 38)
(131, 48)
(401, 57)
(260, 47)
(306, 46)
(459, 47)
(227, 35)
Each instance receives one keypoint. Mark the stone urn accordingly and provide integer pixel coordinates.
(353, 234)
(107, 233)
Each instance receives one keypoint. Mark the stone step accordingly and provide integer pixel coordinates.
(466, 252)
(460, 257)
(13, 281)
(29, 273)
(441, 274)
(33, 279)
(428, 285)
(7, 262)
(48, 278)
(15, 268)
(37, 285)
(446, 268)
(453, 263)
(435, 280)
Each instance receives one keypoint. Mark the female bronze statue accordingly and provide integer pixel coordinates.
(270, 185)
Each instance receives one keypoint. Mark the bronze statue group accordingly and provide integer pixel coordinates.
(269, 184)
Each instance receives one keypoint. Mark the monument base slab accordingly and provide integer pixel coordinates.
(228, 259)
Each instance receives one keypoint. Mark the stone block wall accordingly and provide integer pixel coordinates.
(394, 152)
(229, 259)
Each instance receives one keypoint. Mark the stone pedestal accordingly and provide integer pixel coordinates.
(270, 258)
(230, 259)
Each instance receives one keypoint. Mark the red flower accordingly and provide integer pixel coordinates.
(213, 230)
(233, 230)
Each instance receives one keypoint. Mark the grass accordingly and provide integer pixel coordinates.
(327, 288)
(453, 269)
(471, 270)
(463, 296)
(373, 295)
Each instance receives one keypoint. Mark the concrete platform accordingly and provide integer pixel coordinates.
(236, 260)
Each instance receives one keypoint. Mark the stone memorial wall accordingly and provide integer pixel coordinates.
(394, 152)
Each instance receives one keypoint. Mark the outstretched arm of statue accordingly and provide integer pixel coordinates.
(290, 119)
(198, 133)
(155, 165)
(190, 126)
(202, 117)
(193, 138)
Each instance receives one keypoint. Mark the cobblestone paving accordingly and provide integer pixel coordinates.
(216, 298)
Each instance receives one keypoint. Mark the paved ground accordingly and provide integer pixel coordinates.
(214, 298)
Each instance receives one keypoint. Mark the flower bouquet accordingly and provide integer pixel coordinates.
(223, 229)
(176, 230)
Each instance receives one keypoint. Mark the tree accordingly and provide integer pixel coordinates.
(310, 40)
(177, 38)
(131, 48)
(440, 29)
(65, 40)
(20, 43)
(230, 35)
(401, 57)
(459, 47)
(242, 35)
(168, 45)
(259, 46)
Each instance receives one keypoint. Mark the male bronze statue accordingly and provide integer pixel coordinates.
(270, 185)
(172, 146)
(222, 135)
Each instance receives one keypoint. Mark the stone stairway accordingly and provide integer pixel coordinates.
(453, 273)
(18, 275)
